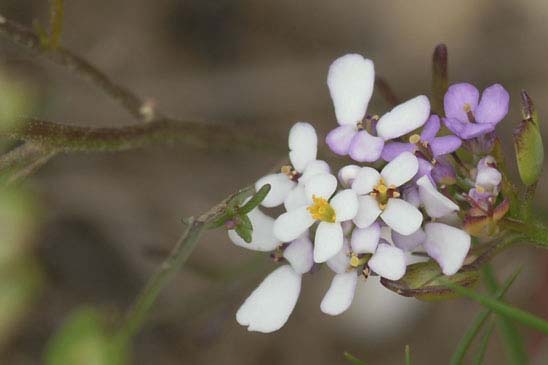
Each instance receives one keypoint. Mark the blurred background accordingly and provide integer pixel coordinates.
(86, 231)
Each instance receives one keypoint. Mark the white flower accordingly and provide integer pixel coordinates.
(447, 245)
(387, 261)
(379, 195)
(319, 207)
(435, 203)
(351, 80)
(287, 186)
(269, 306)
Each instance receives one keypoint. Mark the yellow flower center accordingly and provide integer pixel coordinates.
(414, 139)
(320, 210)
(382, 193)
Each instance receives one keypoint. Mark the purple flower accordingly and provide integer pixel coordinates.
(350, 80)
(467, 116)
(426, 146)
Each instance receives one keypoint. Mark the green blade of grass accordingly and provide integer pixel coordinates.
(513, 342)
(480, 355)
(503, 309)
(407, 355)
(477, 324)
(353, 359)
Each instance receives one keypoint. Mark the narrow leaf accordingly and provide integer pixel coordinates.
(407, 355)
(478, 322)
(255, 200)
(353, 359)
(502, 308)
(480, 355)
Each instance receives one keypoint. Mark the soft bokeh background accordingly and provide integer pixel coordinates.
(104, 221)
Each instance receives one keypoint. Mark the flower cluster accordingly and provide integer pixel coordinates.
(407, 191)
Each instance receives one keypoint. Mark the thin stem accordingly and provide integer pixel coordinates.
(514, 346)
(180, 253)
(439, 78)
(27, 38)
(383, 87)
(480, 355)
(31, 168)
(478, 322)
(56, 23)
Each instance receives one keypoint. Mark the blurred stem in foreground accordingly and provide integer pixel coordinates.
(439, 78)
(173, 263)
(477, 324)
(513, 342)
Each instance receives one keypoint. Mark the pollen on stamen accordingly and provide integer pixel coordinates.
(467, 107)
(321, 210)
(414, 139)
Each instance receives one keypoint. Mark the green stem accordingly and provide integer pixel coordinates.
(181, 252)
(56, 23)
(480, 355)
(514, 346)
(468, 338)
(186, 244)
(535, 232)
(439, 78)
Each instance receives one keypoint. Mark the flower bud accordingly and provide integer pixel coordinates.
(528, 143)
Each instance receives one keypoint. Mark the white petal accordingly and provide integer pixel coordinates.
(292, 224)
(365, 240)
(489, 178)
(401, 216)
(340, 294)
(303, 145)
(314, 168)
(341, 261)
(345, 204)
(350, 80)
(271, 303)
(400, 170)
(447, 245)
(409, 242)
(296, 198)
(368, 211)
(262, 238)
(436, 204)
(388, 262)
(321, 186)
(299, 254)
(328, 241)
(280, 186)
(404, 118)
(347, 175)
(366, 180)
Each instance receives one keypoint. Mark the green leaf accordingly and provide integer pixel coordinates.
(425, 281)
(513, 342)
(353, 359)
(439, 78)
(83, 340)
(244, 229)
(56, 22)
(255, 200)
(502, 308)
(480, 355)
(528, 143)
(407, 355)
(477, 324)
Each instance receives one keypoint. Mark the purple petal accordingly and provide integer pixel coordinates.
(493, 106)
(444, 145)
(466, 130)
(365, 147)
(394, 149)
(339, 139)
(443, 174)
(431, 128)
(455, 99)
(424, 168)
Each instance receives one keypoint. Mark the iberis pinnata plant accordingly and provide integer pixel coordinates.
(419, 188)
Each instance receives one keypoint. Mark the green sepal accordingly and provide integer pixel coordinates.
(425, 281)
(528, 143)
(257, 199)
(244, 229)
